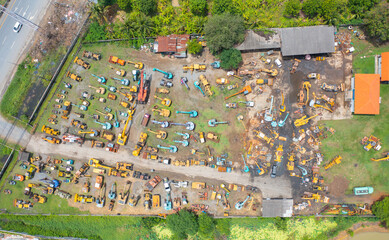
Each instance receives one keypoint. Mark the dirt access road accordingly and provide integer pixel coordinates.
(279, 187)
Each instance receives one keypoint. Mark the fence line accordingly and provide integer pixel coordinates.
(9, 159)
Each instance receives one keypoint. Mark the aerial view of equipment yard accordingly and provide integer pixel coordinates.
(194, 119)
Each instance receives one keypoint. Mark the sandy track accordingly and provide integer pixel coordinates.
(279, 187)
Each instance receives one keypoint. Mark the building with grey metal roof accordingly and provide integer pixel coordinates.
(277, 207)
(307, 40)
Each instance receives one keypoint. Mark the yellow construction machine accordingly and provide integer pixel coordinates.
(82, 63)
(126, 95)
(164, 101)
(162, 112)
(304, 120)
(206, 85)
(262, 136)
(386, 158)
(307, 86)
(279, 153)
(197, 67)
(141, 143)
(73, 76)
(159, 134)
(282, 106)
(122, 138)
(335, 161)
(98, 164)
(138, 65)
(118, 71)
(50, 131)
(271, 72)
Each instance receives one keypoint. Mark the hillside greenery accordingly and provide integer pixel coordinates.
(150, 18)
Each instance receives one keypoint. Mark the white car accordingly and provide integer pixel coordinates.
(278, 63)
(17, 27)
(166, 184)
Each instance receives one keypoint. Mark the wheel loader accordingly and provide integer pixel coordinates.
(91, 55)
(82, 63)
(73, 76)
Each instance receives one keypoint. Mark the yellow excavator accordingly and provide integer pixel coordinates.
(386, 158)
(138, 65)
(282, 106)
(127, 95)
(164, 101)
(122, 138)
(98, 164)
(307, 86)
(304, 120)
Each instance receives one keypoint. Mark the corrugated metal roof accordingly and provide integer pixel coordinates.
(307, 40)
(277, 207)
(367, 94)
(254, 41)
(172, 43)
(385, 66)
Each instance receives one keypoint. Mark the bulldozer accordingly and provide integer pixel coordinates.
(99, 90)
(197, 67)
(118, 71)
(213, 137)
(162, 112)
(206, 85)
(73, 76)
(82, 63)
(50, 131)
(162, 90)
(159, 134)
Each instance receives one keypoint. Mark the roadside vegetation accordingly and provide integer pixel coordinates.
(381, 210)
(200, 227)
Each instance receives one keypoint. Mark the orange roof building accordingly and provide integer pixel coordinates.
(367, 94)
(384, 66)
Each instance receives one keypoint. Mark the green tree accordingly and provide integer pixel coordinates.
(182, 224)
(361, 6)
(223, 226)
(221, 6)
(206, 226)
(125, 5)
(328, 10)
(230, 58)
(105, 3)
(223, 31)
(198, 7)
(99, 13)
(381, 210)
(292, 8)
(312, 8)
(148, 7)
(377, 22)
(194, 47)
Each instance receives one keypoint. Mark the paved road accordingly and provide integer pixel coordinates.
(279, 187)
(12, 46)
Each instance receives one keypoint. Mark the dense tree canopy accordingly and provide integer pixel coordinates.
(230, 58)
(206, 226)
(381, 210)
(361, 6)
(124, 5)
(221, 6)
(198, 7)
(223, 31)
(292, 8)
(148, 7)
(377, 22)
(325, 9)
(106, 2)
(182, 224)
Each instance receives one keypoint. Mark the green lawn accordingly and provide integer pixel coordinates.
(356, 165)
(123, 227)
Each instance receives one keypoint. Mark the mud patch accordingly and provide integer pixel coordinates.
(338, 186)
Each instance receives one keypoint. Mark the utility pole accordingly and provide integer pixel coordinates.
(19, 18)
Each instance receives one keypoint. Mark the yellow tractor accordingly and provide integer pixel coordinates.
(164, 101)
(73, 76)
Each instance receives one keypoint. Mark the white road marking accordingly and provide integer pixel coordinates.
(13, 44)
(5, 38)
